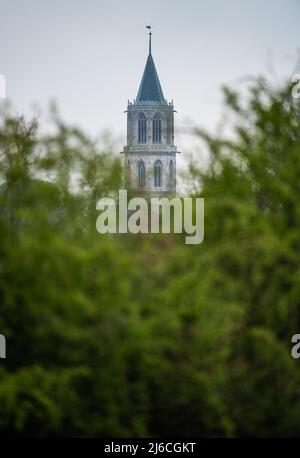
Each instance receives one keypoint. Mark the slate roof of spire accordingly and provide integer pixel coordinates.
(150, 88)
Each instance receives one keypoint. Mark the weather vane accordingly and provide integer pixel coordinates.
(150, 33)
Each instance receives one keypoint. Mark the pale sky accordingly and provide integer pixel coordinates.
(89, 55)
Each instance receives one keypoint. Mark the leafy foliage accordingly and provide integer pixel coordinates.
(139, 335)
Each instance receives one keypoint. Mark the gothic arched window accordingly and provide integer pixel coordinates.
(157, 173)
(156, 129)
(141, 173)
(171, 174)
(142, 127)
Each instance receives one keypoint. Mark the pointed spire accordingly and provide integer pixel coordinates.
(150, 89)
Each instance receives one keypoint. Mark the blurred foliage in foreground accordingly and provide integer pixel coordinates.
(139, 336)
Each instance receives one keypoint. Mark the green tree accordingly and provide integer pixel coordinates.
(123, 335)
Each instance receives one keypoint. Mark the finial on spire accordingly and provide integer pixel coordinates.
(150, 33)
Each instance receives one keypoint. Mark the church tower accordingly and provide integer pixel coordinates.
(150, 154)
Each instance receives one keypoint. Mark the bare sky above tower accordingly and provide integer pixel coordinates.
(89, 55)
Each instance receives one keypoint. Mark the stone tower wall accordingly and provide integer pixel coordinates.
(150, 152)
